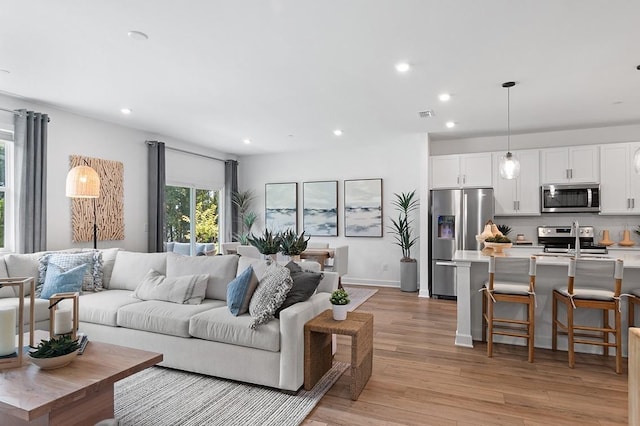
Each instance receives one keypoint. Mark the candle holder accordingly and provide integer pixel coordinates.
(21, 283)
(54, 301)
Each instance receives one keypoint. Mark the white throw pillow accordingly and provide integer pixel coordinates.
(187, 289)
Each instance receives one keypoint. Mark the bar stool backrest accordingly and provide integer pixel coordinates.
(605, 274)
(511, 270)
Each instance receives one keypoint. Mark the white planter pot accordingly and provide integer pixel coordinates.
(340, 312)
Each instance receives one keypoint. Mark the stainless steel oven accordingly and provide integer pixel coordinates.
(570, 198)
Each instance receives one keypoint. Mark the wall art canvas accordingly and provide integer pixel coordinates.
(363, 208)
(109, 206)
(320, 208)
(281, 206)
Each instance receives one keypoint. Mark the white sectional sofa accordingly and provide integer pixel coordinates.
(203, 338)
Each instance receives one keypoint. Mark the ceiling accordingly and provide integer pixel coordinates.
(286, 73)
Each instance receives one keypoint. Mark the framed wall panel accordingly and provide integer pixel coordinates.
(320, 208)
(363, 208)
(281, 206)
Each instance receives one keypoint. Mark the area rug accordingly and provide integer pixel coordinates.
(160, 396)
(358, 296)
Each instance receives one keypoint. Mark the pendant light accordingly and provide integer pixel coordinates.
(636, 161)
(509, 164)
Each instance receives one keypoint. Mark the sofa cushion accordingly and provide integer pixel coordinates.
(270, 294)
(220, 325)
(5, 291)
(102, 307)
(304, 285)
(221, 270)
(40, 308)
(240, 291)
(59, 280)
(130, 268)
(23, 265)
(162, 317)
(108, 262)
(189, 289)
(92, 278)
(259, 265)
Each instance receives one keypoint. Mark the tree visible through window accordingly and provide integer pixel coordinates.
(192, 211)
(3, 190)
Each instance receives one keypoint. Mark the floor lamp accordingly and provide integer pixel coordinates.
(84, 182)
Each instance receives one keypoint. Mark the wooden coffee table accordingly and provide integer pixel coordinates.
(317, 348)
(78, 394)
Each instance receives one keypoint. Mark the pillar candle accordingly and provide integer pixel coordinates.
(7, 330)
(63, 321)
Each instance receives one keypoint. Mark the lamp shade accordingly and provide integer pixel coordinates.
(509, 166)
(83, 182)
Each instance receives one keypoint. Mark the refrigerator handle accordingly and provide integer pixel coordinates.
(464, 221)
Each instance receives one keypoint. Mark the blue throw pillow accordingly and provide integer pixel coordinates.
(58, 280)
(240, 290)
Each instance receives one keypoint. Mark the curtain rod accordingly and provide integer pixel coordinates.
(18, 113)
(189, 152)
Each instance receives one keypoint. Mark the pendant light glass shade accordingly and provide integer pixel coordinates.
(83, 182)
(636, 161)
(509, 164)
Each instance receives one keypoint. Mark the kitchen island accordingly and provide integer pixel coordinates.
(472, 273)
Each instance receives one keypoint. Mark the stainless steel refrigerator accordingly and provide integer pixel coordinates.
(456, 217)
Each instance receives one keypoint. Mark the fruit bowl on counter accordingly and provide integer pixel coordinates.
(497, 247)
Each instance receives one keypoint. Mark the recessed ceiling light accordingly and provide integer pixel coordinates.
(246, 141)
(126, 111)
(337, 132)
(137, 35)
(402, 67)
(444, 97)
(450, 124)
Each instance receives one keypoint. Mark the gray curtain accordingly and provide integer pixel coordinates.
(31, 166)
(156, 199)
(230, 209)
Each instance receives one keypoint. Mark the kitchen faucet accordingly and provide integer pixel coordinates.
(576, 229)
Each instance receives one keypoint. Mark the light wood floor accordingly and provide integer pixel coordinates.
(420, 377)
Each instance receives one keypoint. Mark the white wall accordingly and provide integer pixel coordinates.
(74, 134)
(371, 260)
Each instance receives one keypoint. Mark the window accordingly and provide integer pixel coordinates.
(191, 211)
(6, 191)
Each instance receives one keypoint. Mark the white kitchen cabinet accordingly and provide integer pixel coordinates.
(619, 183)
(461, 171)
(576, 164)
(520, 196)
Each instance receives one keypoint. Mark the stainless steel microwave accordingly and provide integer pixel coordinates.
(570, 198)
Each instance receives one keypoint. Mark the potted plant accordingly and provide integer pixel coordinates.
(55, 352)
(405, 203)
(339, 301)
(242, 201)
(268, 244)
(292, 244)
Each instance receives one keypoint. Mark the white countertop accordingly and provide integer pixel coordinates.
(630, 259)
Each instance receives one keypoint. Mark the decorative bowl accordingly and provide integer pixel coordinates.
(498, 247)
(56, 362)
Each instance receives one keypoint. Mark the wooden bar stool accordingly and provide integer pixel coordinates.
(592, 284)
(509, 282)
(634, 299)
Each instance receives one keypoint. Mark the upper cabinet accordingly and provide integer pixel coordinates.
(461, 171)
(576, 164)
(619, 183)
(520, 196)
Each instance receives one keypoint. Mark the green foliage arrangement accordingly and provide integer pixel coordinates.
(498, 239)
(292, 244)
(405, 203)
(268, 243)
(242, 200)
(340, 297)
(505, 229)
(54, 347)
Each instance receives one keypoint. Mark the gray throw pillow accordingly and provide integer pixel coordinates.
(305, 284)
(271, 292)
(92, 280)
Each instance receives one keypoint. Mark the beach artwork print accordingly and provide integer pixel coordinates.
(281, 206)
(363, 208)
(320, 208)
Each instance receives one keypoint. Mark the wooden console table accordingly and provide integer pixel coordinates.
(317, 348)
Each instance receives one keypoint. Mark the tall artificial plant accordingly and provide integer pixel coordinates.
(242, 200)
(405, 203)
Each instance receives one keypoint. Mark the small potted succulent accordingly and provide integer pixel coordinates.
(339, 301)
(55, 352)
(292, 244)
